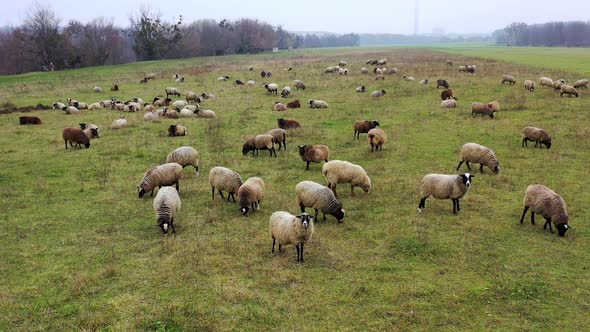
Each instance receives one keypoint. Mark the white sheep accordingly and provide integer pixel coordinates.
(408, 78)
(179, 80)
(475, 153)
(186, 113)
(91, 130)
(545, 81)
(320, 198)
(171, 91)
(569, 90)
(529, 85)
(250, 194)
(581, 84)
(184, 156)
(286, 92)
(251, 82)
(95, 106)
(317, 104)
(378, 93)
(119, 123)
(207, 95)
(58, 105)
(223, 78)
(179, 103)
(377, 138)
(360, 88)
(343, 71)
(423, 82)
(151, 116)
(278, 107)
(224, 179)
(207, 114)
(159, 176)
(97, 89)
(192, 96)
(364, 70)
(508, 79)
(166, 205)
(339, 171)
(286, 229)
(444, 186)
(544, 201)
(71, 110)
(451, 103)
(271, 88)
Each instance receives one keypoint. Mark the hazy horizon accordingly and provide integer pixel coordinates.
(329, 16)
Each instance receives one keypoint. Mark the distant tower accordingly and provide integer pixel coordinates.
(416, 15)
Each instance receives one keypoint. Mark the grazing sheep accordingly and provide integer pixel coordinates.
(408, 78)
(223, 78)
(377, 138)
(462, 69)
(581, 84)
(75, 135)
(444, 186)
(95, 106)
(286, 92)
(29, 120)
(381, 62)
(207, 95)
(288, 124)
(314, 154)
(320, 198)
(442, 83)
(449, 62)
(179, 80)
(378, 93)
(58, 106)
(448, 103)
(170, 91)
(259, 142)
(317, 103)
(250, 194)
(379, 78)
(224, 179)
(278, 106)
(179, 103)
(364, 70)
(549, 205)
(160, 176)
(557, 85)
(569, 90)
(508, 79)
(207, 114)
(91, 130)
(343, 71)
(150, 76)
(115, 87)
(192, 96)
(475, 153)
(360, 88)
(494, 106)
(294, 104)
(97, 89)
(176, 130)
(338, 171)
(280, 136)
(538, 135)
(545, 81)
(185, 113)
(299, 85)
(239, 82)
(470, 69)
(529, 85)
(271, 88)
(71, 110)
(159, 102)
(184, 156)
(362, 127)
(286, 229)
(251, 82)
(481, 109)
(447, 94)
(166, 205)
(151, 116)
(119, 124)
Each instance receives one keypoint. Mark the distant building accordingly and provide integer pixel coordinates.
(275, 49)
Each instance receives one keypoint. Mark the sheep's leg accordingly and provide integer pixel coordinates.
(536, 142)
(548, 222)
(458, 207)
(524, 142)
(324, 215)
(274, 151)
(272, 252)
(280, 247)
(297, 247)
(212, 192)
(178, 186)
(152, 194)
(454, 206)
(460, 163)
(172, 225)
(301, 252)
(66, 142)
(352, 190)
(334, 189)
(316, 214)
(302, 207)
(532, 217)
(220, 193)
(233, 197)
(481, 168)
(526, 208)
(307, 168)
(468, 166)
(422, 203)
(258, 205)
(372, 147)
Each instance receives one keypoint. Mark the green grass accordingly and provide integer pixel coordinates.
(80, 251)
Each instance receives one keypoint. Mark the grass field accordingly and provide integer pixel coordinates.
(80, 251)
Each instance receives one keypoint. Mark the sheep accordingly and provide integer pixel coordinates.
(448, 103)
(170, 91)
(362, 127)
(442, 83)
(119, 124)
(71, 110)
(185, 156)
(538, 135)
(159, 176)
(377, 138)
(118, 106)
(544, 201)
(320, 198)
(317, 103)
(377, 71)
(250, 68)
(176, 130)
(462, 69)
(288, 69)
(581, 84)
(185, 113)
(192, 96)
(26, 120)
(288, 124)
(545, 81)
(470, 69)
(338, 171)
(150, 116)
(97, 89)
(393, 71)
(481, 109)
(207, 95)
(329, 70)
(150, 76)
(447, 94)
(91, 130)
(251, 82)
(206, 114)
(224, 179)
(557, 85)
(280, 136)
(171, 113)
(494, 106)
(133, 106)
(378, 93)
(179, 80)
(286, 228)
(58, 106)
(475, 153)
(408, 78)
(384, 70)
(343, 71)
(278, 106)
(250, 194)
(239, 82)
(371, 62)
(223, 78)
(342, 63)
(569, 90)
(159, 102)
(382, 62)
(423, 82)
(143, 81)
(95, 106)
(360, 88)
(263, 74)
(364, 70)
(271, 88)
(508, 79)
(529, 85)
(445, 186)
(259, 142)
(115, 87)
(268, 73)
(314, 154)
(166, 205)
(286, 92)
(449, 63)
(179, 103)
(379, 78)
(294, 104)
(75, 135)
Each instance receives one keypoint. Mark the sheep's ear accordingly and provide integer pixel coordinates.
(298, 216)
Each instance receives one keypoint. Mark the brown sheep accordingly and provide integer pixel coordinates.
(294, 104)
(288, 124)
(447, 94)
(115, 87)
(314, 153)
(363, 127)
(176, 130)
(25, 120)
(482, 109)
(75, 135)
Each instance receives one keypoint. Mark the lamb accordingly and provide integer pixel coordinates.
(544, 201)
(317, 103)
(288, 124)
(581, 84)
(170, 91)
(160, 176)
(97, 89)
(166, 205)
(379, 78)
(159, 102)
(286, 228)
(176, 130)
(58, 106)
(91, 130)
(423, 82)
(569, 90)
(271, 88)
(508, 79)
(481, 109)
(362, 127)
(250, 194)
(192, 96)
(360, 88)
(338, 171)
(448, 103)
(545, 81)
(314, 154)
(320, 198)
(378, 93)
(286, 92)
(294, 104)
(259, 142)
(377, 138)
(207, 95)
(475, 153)
(280, 136)
(529, 85)
(119, 124)
(207, 114)
(538, 135)
(71, 110)
(447, 94)
(184, 156)
(364, 70)
(115, 87)
(223, 78)
(26, 120)
(224, 179)
(75, 135)
(408, 78)
(444, 186)
(150, 116)
(442, 83)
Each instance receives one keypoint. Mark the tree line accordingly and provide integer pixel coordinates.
(42, 43)
(566, 34)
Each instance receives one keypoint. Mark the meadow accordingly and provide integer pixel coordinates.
(81, 252)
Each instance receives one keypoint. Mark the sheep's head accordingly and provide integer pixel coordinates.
(340, 215)
(164, 222)
(562, 228)
(306, 219)
(466, 179)
(247, 147)
(375, 123)
(244, 210)
(172, 130)
(302, 149)
(94, 132)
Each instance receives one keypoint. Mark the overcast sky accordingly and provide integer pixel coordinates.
(374, 16)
